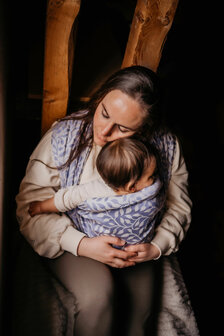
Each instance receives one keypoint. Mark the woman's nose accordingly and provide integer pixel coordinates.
(107, 130)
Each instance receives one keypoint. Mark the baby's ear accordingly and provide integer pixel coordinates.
(132, 188)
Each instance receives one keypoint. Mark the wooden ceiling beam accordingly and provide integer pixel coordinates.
(58, 59)
(151, 23)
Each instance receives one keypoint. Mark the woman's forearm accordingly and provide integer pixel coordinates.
(48, 234)
(176, 220)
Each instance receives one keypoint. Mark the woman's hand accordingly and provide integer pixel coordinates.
(145, 252)
(101, 249)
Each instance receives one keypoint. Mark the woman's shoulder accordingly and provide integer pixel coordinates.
(56, 135)
(65, 126)
(70, 127)
(164, 134)
(165, 141)
(43, 148)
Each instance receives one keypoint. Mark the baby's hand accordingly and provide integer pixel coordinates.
(34, 208)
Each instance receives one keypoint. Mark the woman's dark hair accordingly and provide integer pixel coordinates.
(123, 161)
(139, 83)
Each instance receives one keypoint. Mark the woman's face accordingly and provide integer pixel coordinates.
(117, 116)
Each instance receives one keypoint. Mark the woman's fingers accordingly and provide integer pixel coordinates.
(114, 240)
(145, 252)
(120, 258)
(119, 263)
(101, 249)
(117, 253)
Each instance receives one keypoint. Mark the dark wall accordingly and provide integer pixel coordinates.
(191, 72)
(2, 155)
(192, 69)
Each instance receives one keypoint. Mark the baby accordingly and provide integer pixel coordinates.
(126, 166)
(125, 203)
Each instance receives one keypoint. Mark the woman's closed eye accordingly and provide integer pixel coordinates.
(122, 129)
(105, 114)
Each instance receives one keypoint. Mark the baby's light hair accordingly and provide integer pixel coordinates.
(122, 161)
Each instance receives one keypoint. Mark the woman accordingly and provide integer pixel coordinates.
(109, 294)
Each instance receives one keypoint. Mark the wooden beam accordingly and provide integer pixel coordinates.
(58, 59)
(151, 23)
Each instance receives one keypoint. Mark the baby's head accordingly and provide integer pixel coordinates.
(127, 165)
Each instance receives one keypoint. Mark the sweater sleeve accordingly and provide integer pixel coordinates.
(48, 234)
(176, 220)
(68, 198)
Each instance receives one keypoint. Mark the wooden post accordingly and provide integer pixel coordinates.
(58, 59)
(151, 23)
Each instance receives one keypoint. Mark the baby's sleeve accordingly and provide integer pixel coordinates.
(69, 198)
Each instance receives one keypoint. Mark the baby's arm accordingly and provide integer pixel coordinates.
(40, 207)
(68, 198)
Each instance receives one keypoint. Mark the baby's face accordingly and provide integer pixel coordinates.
(147, 177)
(146, 180)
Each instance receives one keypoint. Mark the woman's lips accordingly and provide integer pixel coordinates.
(102, 139)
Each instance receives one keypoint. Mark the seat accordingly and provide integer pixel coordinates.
(42, 305)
